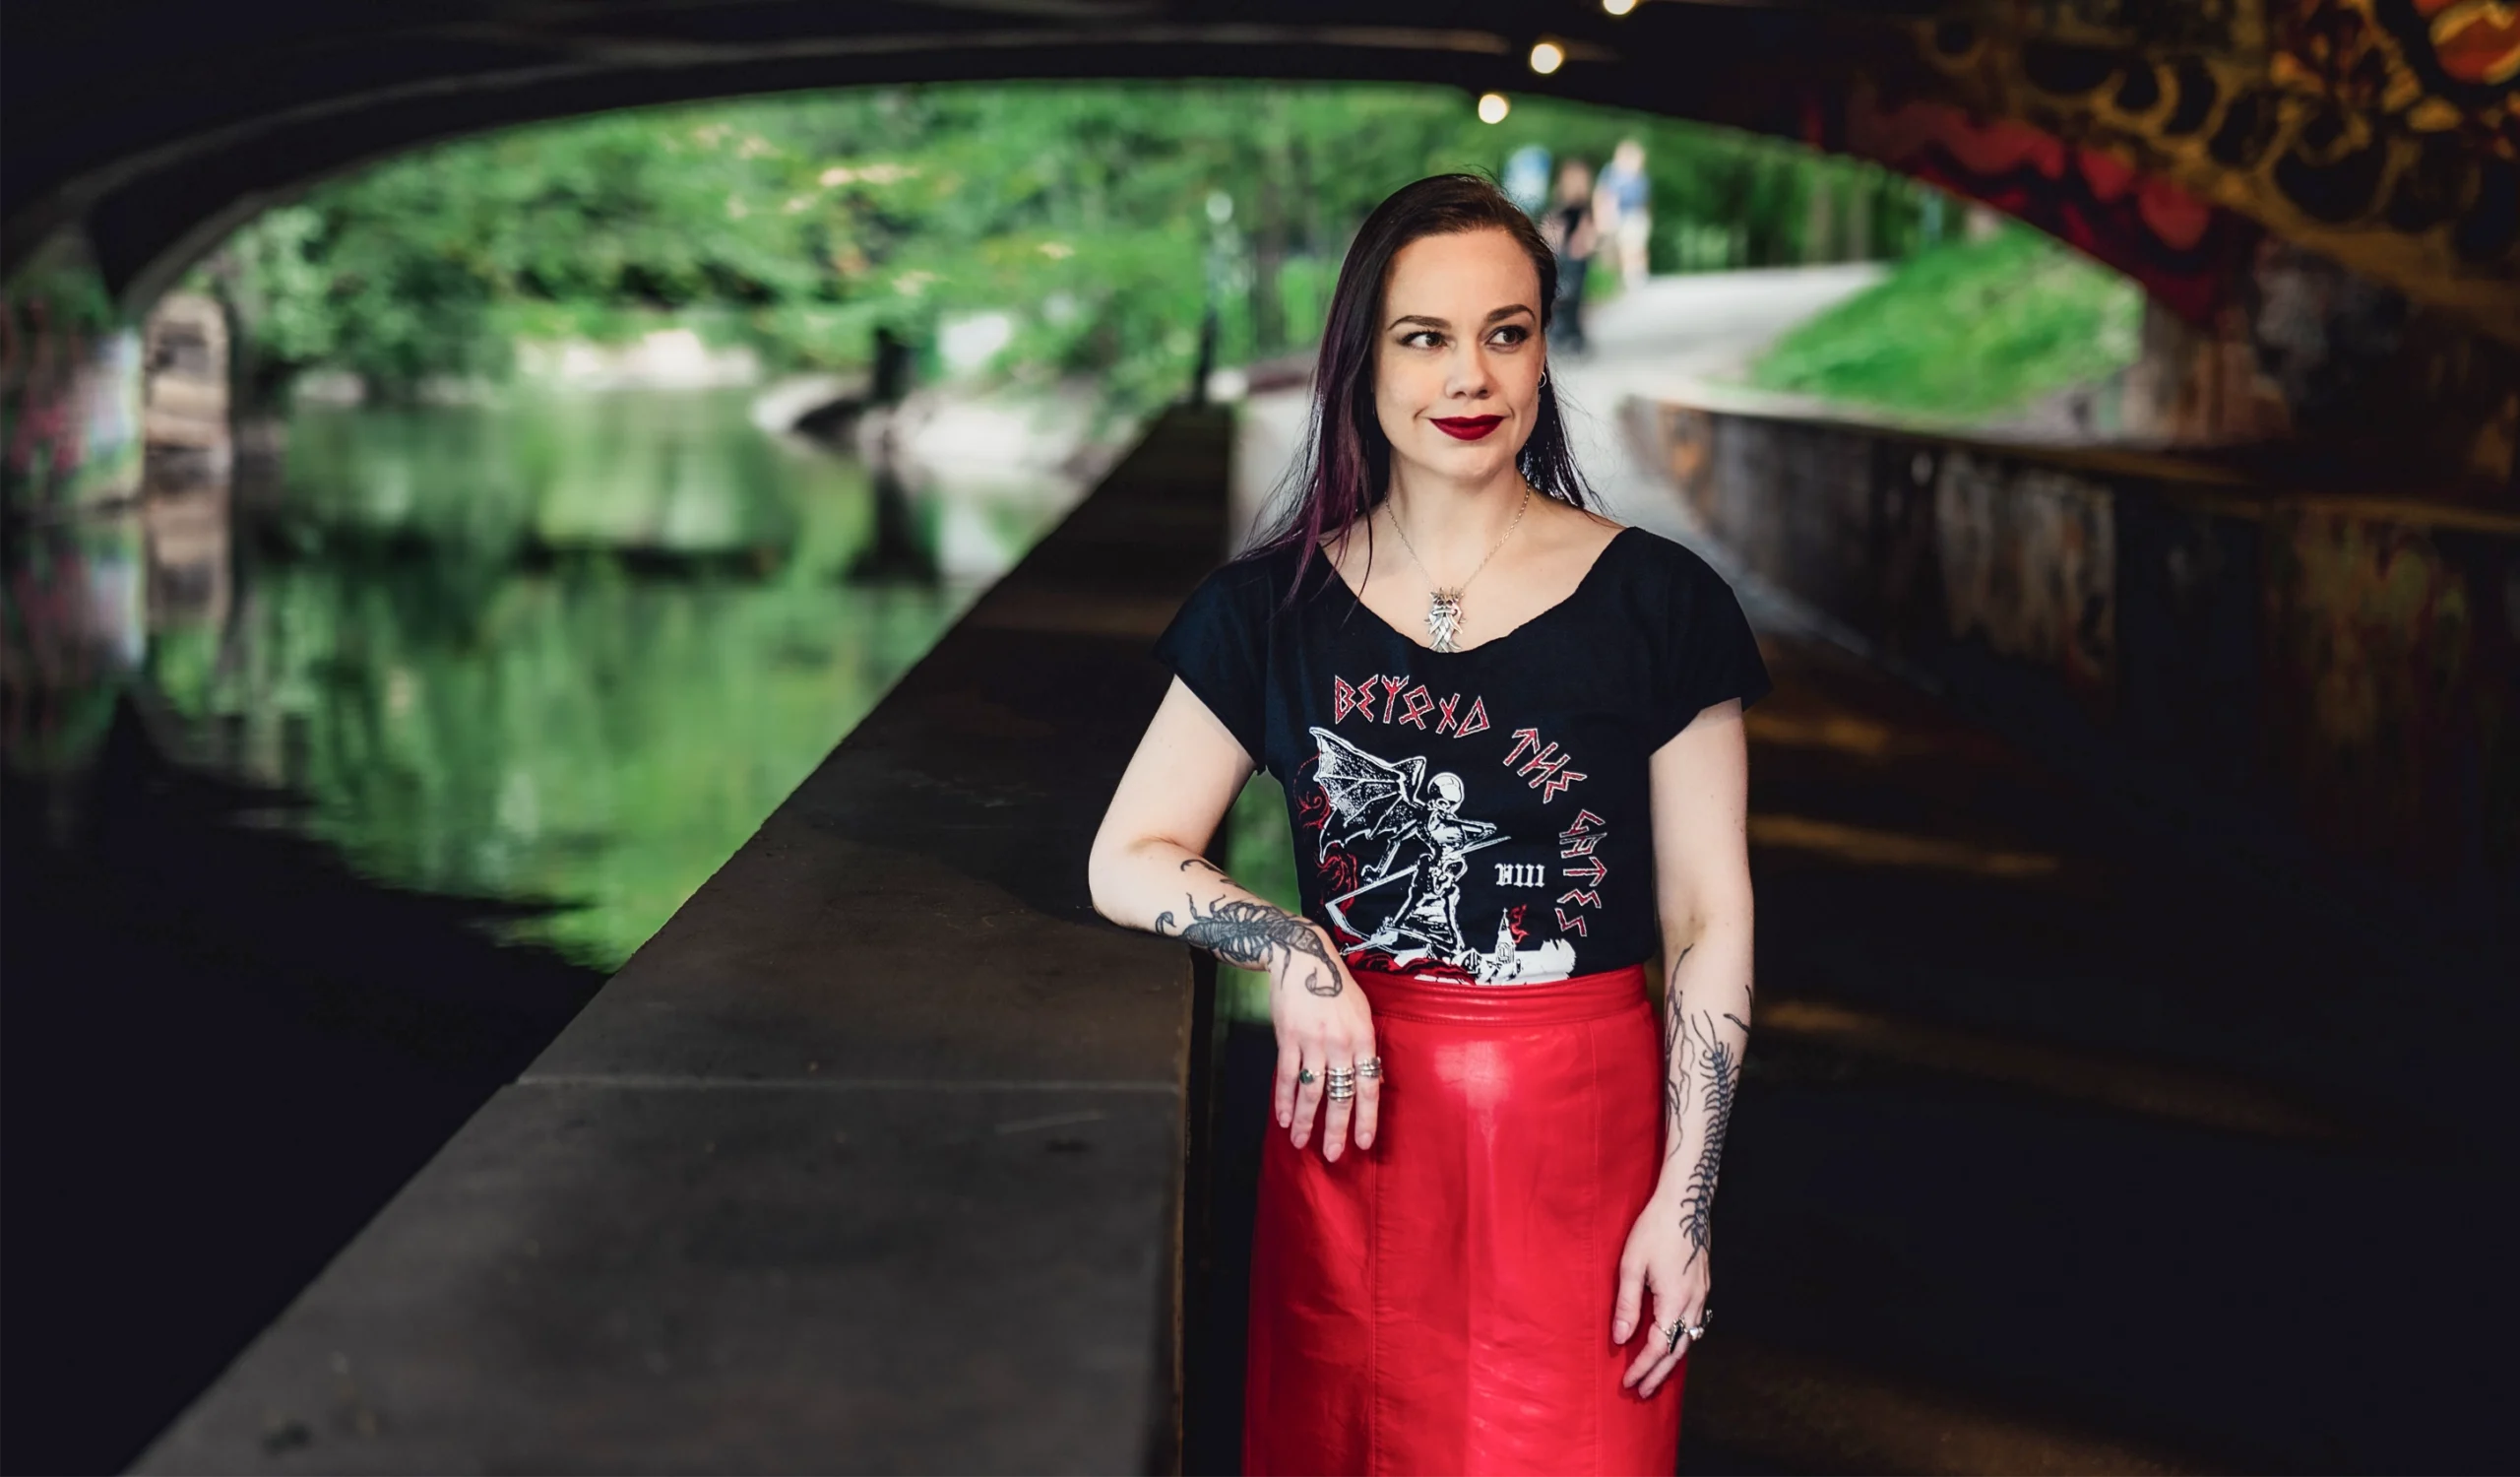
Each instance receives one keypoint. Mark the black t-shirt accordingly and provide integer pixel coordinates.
(1478, 815)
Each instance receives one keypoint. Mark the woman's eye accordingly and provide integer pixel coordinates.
(1425, 334)
(1512, 333)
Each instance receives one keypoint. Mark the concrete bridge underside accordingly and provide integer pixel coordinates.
(2164, 140)
(169, 125)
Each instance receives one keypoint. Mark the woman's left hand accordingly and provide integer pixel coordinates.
(1659, 1256)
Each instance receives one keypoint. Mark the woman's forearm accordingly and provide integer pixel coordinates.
(1165, 887)
(1706, 1031)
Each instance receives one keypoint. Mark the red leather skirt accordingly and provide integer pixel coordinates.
(1441, 1302)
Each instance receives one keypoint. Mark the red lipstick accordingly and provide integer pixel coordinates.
(1468, 428)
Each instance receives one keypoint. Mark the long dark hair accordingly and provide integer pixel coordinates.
(1345, 469)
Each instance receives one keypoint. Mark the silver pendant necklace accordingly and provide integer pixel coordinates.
(1443, 604)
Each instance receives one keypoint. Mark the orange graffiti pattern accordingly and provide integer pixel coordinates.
(2477, 40)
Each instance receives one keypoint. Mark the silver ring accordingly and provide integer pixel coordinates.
(1675, 1332)
(1372, 1066)
(1342, 1095)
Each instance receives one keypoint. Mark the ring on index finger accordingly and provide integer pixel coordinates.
(1303, 1074)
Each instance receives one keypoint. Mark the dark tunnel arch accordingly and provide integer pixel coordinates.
(2153, 147)
(147, 193)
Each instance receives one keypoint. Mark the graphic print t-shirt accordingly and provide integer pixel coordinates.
(1482, 815)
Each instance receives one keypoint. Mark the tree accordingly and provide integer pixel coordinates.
(801, 223)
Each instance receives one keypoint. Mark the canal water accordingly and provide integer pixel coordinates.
(567, 653)
(331, 795)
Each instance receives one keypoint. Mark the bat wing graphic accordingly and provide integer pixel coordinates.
(1369, 797)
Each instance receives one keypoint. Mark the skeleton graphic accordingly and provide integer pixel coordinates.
(1423, 839)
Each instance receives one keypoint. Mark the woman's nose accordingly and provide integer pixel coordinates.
(1471, 373)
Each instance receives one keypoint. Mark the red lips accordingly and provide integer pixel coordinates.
(1468, 428)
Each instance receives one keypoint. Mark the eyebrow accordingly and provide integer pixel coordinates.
(1498, 315)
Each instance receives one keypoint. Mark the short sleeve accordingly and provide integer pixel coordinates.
(1218, 644)
(1709, 652)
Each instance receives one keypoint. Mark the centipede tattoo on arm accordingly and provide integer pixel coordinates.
(1718, 1063)
(1249, 934)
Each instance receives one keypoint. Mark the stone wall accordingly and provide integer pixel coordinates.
(2327, 677)
(2344, 371)
(72, 604)
(70, 387)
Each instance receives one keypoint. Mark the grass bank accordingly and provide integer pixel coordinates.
(1965, 330)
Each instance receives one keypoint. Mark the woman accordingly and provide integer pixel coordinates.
(1511, 746)
(1574, 233)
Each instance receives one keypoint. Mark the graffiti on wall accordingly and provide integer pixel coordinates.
(2325, 193)
(2183, 249)
(2435, 66)
(2029, 558)
(69, 387)
(2307, 349)
(2392, 683)
(2384, 133)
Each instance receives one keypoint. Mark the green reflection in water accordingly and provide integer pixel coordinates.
(71, 625)
(681, 472)
(574, 650)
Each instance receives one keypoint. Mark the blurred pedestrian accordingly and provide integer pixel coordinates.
(1571, 233)
(1622, 209)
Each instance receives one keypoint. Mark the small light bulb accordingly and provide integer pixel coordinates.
(1618, 7)
(1492, 107)
(1548, 58)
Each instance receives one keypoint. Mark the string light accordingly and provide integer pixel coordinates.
(1492, 107)
(1618, 7)
(1548, 58)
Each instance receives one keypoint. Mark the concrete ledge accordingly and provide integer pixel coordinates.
(871, 1158)
(685, 1278)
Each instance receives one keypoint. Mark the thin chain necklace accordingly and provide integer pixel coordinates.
(1443, 606)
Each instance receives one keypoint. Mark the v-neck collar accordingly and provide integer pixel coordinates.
(1600, 558)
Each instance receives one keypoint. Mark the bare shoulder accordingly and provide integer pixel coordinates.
(1566, 528)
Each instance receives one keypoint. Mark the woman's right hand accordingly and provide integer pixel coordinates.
(1322, 1021)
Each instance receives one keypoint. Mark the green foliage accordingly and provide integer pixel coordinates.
(1260, 853)
(798, 223)
(1965, 330)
